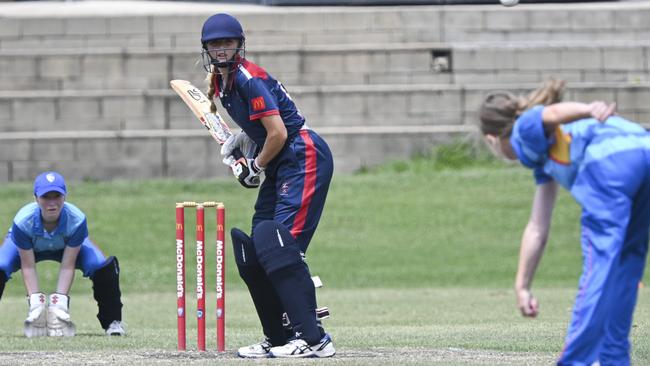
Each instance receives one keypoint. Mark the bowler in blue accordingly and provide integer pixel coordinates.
(603, 160)
(52, 229)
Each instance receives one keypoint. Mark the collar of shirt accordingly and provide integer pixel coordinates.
(38, 228)
(231, 78)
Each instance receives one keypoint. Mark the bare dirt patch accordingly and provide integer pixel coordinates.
(374, 356)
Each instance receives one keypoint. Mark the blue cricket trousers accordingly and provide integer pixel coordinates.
(295, 187)
(89, 260)
(613, 188)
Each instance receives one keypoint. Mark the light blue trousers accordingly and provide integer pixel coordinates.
(614, 192)
(89, 260)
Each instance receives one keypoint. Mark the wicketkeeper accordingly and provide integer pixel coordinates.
(53, 229)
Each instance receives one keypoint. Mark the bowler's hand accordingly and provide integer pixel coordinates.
(527, 303)
(601, 110)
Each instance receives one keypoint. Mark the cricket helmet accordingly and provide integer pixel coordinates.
(222, 26)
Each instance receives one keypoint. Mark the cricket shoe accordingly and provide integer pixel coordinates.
(257, 350)
(117, 328)
(298, 348)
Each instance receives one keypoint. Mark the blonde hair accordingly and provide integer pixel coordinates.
(500, 109)
(211, 79)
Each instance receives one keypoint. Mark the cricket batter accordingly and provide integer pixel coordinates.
(297, 166)
(604, 161)
(52, 229)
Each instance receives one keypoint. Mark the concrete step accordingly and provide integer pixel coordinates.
(190, 154)
(324, 106)
(397, 63)
(143, 134)
(93, 24)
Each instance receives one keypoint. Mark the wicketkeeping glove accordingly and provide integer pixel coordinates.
(59, 323)
(36, 322)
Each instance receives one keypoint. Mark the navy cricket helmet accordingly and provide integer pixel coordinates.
(222, 26)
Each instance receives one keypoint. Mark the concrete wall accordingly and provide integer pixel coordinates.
(84, 86)
(407, 64)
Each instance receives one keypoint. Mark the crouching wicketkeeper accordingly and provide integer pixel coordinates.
(52, 229)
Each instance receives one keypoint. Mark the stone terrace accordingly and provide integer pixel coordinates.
(84, 85)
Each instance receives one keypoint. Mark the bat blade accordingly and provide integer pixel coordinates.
(199, 104)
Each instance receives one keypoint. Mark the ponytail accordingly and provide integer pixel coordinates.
(501, 109)
(212, 79)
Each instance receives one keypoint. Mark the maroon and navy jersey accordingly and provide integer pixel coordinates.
(251, 94)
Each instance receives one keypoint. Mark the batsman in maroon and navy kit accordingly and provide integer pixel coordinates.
(297, 165)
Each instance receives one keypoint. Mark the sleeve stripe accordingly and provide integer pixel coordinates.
(264, 114)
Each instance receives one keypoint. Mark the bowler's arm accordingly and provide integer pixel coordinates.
(533, 243)
(565, 112)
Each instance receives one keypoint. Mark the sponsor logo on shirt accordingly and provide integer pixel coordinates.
(258, 104)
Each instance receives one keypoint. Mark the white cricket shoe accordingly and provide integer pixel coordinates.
(298, 348)
(117, 328)
(257, 350)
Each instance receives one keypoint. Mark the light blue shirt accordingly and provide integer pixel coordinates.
(27, 231)
(560, 155)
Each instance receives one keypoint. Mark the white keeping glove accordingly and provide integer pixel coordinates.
(36, 322)
(59, 323)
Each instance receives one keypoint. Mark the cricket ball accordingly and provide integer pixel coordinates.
(509, 2)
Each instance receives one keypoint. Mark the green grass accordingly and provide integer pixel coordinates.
(418, 260)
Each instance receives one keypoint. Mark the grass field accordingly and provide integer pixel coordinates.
(418, 261)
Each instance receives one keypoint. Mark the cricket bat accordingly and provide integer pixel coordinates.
(199, 104)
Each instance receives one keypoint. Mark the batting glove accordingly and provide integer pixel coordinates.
(59, 323)
(247, 172)
(236, 146)
(36, 322)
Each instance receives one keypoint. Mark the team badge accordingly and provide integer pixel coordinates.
(284, 189)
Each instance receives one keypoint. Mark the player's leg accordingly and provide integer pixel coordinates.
(35, 324)
(105, 276)
(9, 261)
(300, 192)
(616, 349)
(279, 255)
(267, 304)
(603, 188)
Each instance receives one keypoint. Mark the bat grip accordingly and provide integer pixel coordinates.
(237, 154)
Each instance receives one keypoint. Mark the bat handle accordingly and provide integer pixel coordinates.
(237, 154)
